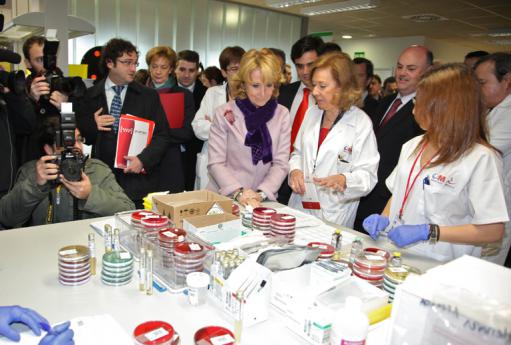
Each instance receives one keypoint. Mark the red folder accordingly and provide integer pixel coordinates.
(134, 135)
(174, 107)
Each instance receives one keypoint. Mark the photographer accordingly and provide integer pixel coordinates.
(38, 196)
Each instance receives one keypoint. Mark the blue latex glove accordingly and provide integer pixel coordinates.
(17, 314)
(404, 235)
(374, 224)
(59, 335)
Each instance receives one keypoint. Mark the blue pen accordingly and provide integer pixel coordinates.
(425, 182)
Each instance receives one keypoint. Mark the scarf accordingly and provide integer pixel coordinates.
(258, 137)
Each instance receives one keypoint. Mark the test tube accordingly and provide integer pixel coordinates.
(116, 241)
(92, 254)
(108, 238)
(149, 272)
(141, 270)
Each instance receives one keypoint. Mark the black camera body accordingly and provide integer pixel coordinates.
(70, 86)
(71, 161)
(15, 81)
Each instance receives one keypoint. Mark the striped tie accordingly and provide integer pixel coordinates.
(115, 107)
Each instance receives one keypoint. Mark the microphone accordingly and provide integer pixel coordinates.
(9, 56)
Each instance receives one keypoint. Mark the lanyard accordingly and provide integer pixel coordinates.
(409, 186)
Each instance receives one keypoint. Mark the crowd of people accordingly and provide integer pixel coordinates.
(336, 143)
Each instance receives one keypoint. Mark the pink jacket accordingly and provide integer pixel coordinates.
(230, 161)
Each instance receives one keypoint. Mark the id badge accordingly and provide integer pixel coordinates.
(310, 199)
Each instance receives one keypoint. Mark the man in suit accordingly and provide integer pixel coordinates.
(394, 125)
(364, 72)
(303, 53)
(187, 72)
(98, 118)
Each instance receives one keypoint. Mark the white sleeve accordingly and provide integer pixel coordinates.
(363, 174)
(296, 159)
(486, 190)
(200, 124)
(500, 130)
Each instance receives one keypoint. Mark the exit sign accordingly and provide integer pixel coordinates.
(360, 54)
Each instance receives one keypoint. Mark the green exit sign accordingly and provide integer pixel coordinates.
(360, 54)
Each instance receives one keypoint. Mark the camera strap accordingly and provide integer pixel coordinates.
(51, 209)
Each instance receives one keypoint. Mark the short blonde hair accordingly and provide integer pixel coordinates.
(161, 51)
(341, 69)
(263, 60)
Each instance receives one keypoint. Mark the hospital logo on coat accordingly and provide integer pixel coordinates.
(443, 180)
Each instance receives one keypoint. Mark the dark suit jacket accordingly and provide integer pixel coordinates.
(287, 94)
(198, 93)
(401, 128)
(370, 106)
(139, 101)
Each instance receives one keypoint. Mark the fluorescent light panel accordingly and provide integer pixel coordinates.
(288, 3)
(351, 5)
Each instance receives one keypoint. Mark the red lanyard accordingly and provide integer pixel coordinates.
(409, 187)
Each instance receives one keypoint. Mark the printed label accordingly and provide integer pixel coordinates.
(156, 334)
(268, 211)
(194, 247)
(222, 340)
(398, 269)
(351, 342)
(68, 252)
(215, 209)
(373, 257)
(288, 217)
(169, 234)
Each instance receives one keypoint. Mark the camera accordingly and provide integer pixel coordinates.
(71, 161)
(70, 86)
(15, 81)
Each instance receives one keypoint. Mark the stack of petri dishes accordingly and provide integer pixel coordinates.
(117, 268)
(213, 335)
(395, 276)
(282, 226)
(235, 210)
(152, 225)
(155, 333)
(74, 265)
(136, 217)
(370, 265)
(327, 251)
(188, 257)
(246, 218)
(261, 218)
(167, 239)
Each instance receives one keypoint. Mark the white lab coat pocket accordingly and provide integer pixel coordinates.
(343, 166)
(438, 198)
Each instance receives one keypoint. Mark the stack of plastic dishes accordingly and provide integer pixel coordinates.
(74, 265)
(136, 217)
(327, 251)
(117, 268)
(395, 276)
(152, 225)
(235, 210)
(370, 265)
(188, 257)
(282, 226)
(155, 333)
(246, 218)
(261, 218)
(213, 335)
(167, 239)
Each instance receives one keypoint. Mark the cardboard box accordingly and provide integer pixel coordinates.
(194, 224)
(191, 204)
(208, 227)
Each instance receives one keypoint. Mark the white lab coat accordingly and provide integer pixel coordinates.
(214, 97)
(499, 125)
(350, 140)
(467, 191)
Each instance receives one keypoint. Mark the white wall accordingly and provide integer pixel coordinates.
(447, 52)
(206, 26)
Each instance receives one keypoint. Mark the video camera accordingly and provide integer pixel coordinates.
(71, 161)
(70, 86)
(15, 80)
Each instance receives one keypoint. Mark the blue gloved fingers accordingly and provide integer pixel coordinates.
(374, 224)
(61, 328)
(13, 314)
(404, 235)
(63, 338)
(32, 319)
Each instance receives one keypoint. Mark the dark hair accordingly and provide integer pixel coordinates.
(214, 73)
(190, 56)
(388, 81)
(113, 50)
(39, 40)
(330, 47)
(476, 54)
(306, 44)
(377, 77)
(429, 57)
(230, 55)
(502, 63)
(369, 66)
(280, 53)
(46, 135)
(141, 76)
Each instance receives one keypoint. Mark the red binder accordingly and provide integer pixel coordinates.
(174, 107)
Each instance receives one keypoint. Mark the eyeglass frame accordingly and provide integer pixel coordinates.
(129, 63)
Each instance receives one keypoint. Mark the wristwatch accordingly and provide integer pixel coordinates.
(262, 195)
(237, 194)
(434, 233)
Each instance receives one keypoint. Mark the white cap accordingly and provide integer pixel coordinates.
(197, 279)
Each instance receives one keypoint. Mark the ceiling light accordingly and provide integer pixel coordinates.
(347, 37)
(500, 33)
(425, 18)
(502, 42)
(288, 3)
(350, 5)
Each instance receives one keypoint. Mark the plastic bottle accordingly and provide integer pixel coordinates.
(396, 260)
(350, 324)
(356, 248)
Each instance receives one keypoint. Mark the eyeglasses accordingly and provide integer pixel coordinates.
(129, 63)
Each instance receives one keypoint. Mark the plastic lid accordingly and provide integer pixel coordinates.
(197, 279)
(188, 248)
(155, 221)
(396, 254)
(153, 333)
(353, 303)
(137, 216)
(213, 335)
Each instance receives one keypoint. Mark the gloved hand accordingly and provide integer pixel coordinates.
(374, 224)
(17, 314)
(59, 335)
(404, 235)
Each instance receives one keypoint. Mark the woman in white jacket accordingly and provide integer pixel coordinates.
(335, 155)
(215, 96)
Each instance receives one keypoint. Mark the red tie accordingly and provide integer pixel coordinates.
(300, 114)
(392, 112)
